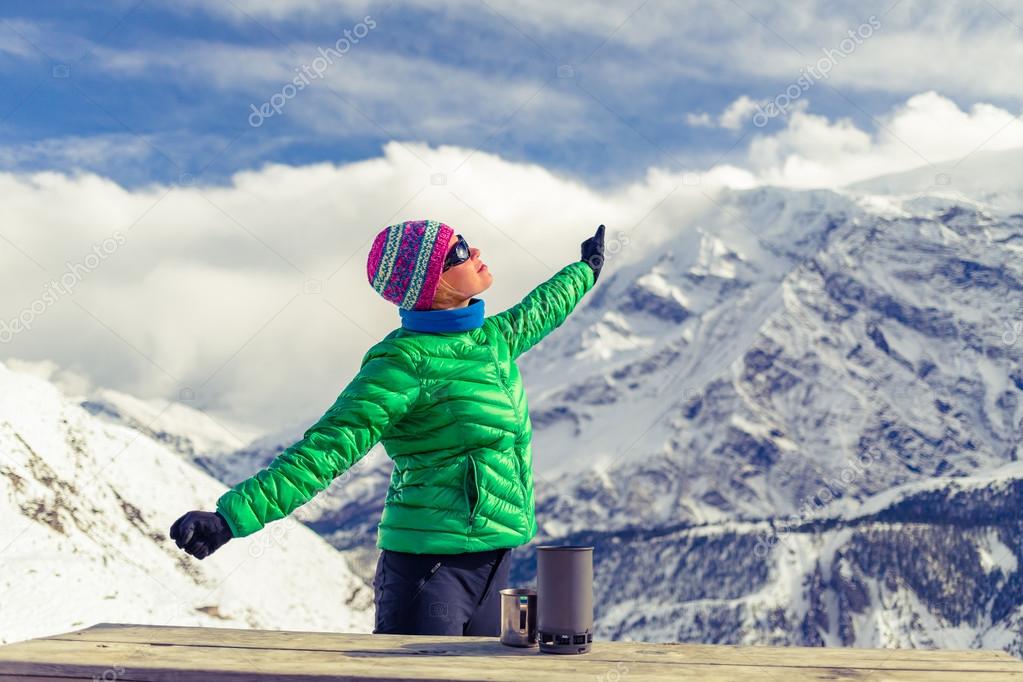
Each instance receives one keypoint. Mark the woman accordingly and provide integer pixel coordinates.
(444, 396)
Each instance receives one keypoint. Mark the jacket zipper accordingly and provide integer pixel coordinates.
(518, 420)
(473, 505)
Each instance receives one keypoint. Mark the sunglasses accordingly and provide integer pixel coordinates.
(459, 253)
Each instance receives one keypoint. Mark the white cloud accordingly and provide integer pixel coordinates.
(17, 46)
(276, 10)
(701, 120)
(960, 46)
(73, 151)
(210, 281)
(208, 290)
(69, 381)
(371, 79)
(813, 151)
(735, 116)
(40, 40)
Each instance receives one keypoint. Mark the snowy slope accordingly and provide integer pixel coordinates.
(191, 432)
(86, 507)
(933, 567)
(990, 178)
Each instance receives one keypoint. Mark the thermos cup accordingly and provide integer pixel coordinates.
(518, 616)
(564, 585)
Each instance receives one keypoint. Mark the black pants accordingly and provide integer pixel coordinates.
(440, 594)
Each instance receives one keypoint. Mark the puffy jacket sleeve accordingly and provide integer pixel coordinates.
(544, 308)
(386, 386)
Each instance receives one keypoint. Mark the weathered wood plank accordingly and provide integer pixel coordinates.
(169, 663)
(924, 659)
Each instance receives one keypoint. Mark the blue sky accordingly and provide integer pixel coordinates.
(146, 91)
(237, 271)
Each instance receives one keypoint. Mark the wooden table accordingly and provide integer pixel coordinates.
(123, 652)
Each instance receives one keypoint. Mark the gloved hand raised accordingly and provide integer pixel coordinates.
(593, 252)
(200, 533)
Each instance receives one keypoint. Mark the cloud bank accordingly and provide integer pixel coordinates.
(250, 298)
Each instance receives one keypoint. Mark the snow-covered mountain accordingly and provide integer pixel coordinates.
(86, 506)
(879, 335)
(188, 431)
(819, 354)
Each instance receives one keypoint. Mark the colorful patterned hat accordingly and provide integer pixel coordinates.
(406, 260)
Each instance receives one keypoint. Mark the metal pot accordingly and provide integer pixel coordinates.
(564, 581)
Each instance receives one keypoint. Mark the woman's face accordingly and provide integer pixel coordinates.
(469, 278)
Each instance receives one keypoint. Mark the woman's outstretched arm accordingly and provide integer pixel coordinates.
(386, 386)
(548, 305)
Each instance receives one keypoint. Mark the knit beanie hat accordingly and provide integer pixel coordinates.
(406, 260)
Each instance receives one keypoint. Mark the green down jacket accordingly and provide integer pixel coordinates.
(450, 410)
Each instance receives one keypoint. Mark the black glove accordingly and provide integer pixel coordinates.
(593, 252)
(200, 533)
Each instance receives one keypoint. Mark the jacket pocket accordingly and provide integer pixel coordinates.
(518, 477)
(472, 488)
(395, 486)
(522, 487)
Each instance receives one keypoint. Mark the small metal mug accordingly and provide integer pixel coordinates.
(518, 616)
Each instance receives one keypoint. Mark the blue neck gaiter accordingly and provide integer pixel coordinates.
(451, 320)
